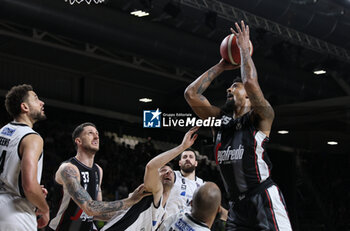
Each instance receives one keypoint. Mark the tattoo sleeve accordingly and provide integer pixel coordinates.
(248, 69)
(104, 216)
(70, 178)
(204, 84)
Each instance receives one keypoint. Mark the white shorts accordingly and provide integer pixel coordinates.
(16, 214)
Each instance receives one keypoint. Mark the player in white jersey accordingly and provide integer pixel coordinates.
(158, 179)
(22, 198)
(205, 207)
(186, 182)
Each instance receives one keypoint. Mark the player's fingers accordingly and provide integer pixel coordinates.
(247, 29)
(242, 25)
(233, 31)
(238, 28)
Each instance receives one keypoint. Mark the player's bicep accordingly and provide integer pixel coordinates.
(31, 148)
(70, 178)
(202, 107)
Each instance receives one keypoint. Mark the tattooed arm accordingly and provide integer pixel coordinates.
(68, 176)
(194, 92)
(262, 108)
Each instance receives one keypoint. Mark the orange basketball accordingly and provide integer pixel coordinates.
(230, 51)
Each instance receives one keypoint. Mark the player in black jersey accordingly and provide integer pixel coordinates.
(80, 179)
(256, 202)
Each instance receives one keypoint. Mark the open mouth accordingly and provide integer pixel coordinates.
(229, 96)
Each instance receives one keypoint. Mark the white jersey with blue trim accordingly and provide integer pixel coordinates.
(11, 136)
(181, 194)
(182, 222)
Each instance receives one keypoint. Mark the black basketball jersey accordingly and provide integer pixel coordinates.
(70, 217)
(241, 155)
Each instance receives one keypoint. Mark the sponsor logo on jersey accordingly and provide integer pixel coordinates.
(8, 131)
(230, 154)
(183, 226)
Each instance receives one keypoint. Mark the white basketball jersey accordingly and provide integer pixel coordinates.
(181, 194)
(142, 216)
(182, 222)
(11, 136)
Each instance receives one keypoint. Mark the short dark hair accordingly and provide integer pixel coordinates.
(15, 97)
(237, 80)
(190, 150)
(78, 130)
(169, 164)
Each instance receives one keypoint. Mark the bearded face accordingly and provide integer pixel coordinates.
(36, 107)
(188, 161)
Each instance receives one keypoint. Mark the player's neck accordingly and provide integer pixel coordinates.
(190, 175)
(206, 220)
(23, 119)
(85, 158)
(166, 194)
(240, 111)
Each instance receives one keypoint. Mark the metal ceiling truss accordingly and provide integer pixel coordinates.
(85, 49)
(232, 14)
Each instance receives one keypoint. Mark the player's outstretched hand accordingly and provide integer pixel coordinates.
(139, 193)
(242, 34)
(190, 138)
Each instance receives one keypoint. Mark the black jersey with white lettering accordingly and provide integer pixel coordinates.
(70, 217)
(241, 155)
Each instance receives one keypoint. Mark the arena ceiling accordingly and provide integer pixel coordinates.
(101, 59)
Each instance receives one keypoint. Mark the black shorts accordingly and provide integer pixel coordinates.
(264, 210)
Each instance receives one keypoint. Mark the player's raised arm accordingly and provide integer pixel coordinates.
(194, 92)
(249, 75)
(151, 178)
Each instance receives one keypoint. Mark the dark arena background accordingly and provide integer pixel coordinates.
(93, 62)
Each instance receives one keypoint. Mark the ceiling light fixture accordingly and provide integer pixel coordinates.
(332, 142)
(145, 100)
(139, 13)
(283, 132)
(320, 72)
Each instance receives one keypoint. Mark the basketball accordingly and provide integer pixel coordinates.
(229, 50)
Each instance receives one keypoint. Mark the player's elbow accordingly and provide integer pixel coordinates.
(189, 93)
(28, 187)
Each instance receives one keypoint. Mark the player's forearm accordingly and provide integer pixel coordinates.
(98, 208)
(196, 88)
(160, 160)
(105, 216)
(248, 70)
(34, 194)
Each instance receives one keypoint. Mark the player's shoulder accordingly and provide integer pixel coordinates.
(68, 167)
(99, 168)
(199, 180)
